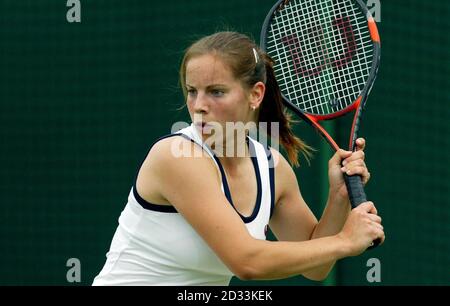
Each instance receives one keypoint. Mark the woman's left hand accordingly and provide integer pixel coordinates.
(348, 162)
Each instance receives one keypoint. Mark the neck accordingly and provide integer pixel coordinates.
(232, 156)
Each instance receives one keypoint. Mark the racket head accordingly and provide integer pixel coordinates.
(326, 55)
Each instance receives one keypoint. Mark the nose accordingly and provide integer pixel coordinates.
(201, 105)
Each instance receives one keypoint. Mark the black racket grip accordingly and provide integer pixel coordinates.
(357, 196)
(355, 190)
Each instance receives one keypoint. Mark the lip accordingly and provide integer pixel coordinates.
(200, 124)
(203, 126)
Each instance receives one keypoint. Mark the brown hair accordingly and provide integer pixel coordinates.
(236, 50)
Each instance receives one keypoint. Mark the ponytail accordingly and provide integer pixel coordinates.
(273, 110)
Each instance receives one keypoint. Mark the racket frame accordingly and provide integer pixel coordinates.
(354, 183)
(358, 105)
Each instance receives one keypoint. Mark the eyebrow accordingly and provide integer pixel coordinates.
(209, 86)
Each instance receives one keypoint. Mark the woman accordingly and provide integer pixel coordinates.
(200, 218)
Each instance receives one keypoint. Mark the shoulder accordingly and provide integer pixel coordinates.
(173, 147)
(169, 167)
(175, 154)
(282, 166)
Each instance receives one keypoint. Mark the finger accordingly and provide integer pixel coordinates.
(357, 167)
(373, 209)
(366, 177)
(378, 227)
(368, 207)
(382, 238)
(339, 156)
(375, 226)
(360, 144)
(354, 156)
(355, 163)
(356, 170)
(375, 218)
(379, 231)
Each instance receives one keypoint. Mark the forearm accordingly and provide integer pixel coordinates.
(280, 259)
(333, 219)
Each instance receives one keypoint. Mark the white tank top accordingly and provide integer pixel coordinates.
(155, 245)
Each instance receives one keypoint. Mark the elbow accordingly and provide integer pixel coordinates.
(243, 276)
(317, 276)
(250, 262)
(247, 273)
(246, 268)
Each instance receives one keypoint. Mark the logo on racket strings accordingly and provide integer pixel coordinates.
(319, 51)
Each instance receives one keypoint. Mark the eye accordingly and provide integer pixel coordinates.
(191, 92)
(217, 93)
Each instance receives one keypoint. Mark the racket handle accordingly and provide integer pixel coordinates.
(355, 190)
(357, 196)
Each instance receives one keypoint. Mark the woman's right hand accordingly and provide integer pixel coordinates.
(362, 227)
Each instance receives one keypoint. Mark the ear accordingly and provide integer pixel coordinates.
(257, 95)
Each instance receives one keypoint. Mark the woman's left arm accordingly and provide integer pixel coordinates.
(294, 221)
(338, 205)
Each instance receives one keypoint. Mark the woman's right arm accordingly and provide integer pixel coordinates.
(192, 186)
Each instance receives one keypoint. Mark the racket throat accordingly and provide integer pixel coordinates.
(355, 124)
(315, 122)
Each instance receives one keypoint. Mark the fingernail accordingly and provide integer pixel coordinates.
(343, 169)
(344, 162)
(348, 172)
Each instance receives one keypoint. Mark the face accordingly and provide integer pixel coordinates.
(214, 96)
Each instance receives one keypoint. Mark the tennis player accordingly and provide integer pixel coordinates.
(200, 217)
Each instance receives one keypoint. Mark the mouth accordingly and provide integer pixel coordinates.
(203, 127)
(200, 124)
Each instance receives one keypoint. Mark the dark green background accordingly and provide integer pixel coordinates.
(81, 103)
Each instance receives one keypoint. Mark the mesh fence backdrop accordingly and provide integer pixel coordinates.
(80, 104)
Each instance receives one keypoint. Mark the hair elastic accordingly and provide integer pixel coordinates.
(255, 53)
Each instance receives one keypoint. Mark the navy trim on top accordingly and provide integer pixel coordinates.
(151, 206)
(143, 202)
(170, 209)
(226, 187)
(272, 179)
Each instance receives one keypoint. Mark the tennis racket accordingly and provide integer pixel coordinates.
(326, 54)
